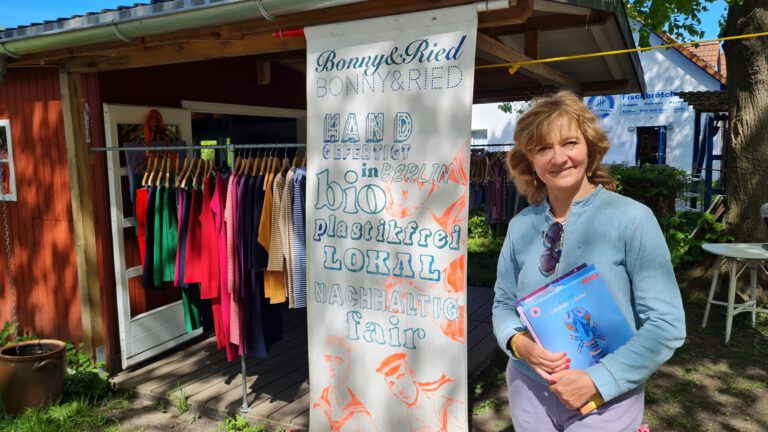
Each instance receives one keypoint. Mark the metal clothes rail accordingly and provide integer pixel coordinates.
(480, 146)
(230, 147)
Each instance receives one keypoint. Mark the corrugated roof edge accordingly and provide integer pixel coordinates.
(109, 16)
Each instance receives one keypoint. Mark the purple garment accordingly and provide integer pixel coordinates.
(534, 408)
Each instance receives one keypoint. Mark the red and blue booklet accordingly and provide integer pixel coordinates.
(578, 314)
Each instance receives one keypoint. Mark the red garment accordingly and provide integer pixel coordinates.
(209, 265)
(141, 220)
(192, 271)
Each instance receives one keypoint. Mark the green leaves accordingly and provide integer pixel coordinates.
(678, 18)
(685, 232)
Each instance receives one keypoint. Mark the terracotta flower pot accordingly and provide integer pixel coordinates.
(32, 377)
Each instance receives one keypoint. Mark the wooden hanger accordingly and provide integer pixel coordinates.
(286, 165)
(151, 160)
(180, 175)
(168, 169)
(197, 172)
(304, 161)
(154, 179)
(295, 161)
(189, 170)
(247, 165)
(236, 166)
(263, 165)
(256, 162)
(154, 169)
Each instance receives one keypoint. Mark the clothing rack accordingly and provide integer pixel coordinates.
(478, 146)
(230, 148)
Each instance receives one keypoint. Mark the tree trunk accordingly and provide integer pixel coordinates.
(747, 157)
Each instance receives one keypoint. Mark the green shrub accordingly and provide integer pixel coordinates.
(85, 377)
(656, 186)
(685, 232)
(9, 330)
(238, 424)
(478, 228)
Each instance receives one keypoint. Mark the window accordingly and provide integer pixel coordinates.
(8, 178)
(479, 137)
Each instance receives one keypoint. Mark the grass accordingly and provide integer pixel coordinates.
(179, 400)
(485, 406)
(483, 257)
(708, 385)
(70, 416)
(238, 424)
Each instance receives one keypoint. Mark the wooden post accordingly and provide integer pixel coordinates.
(79, 163)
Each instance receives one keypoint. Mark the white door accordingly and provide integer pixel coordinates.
(154, 331)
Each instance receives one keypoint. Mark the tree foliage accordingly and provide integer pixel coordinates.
(678, 18)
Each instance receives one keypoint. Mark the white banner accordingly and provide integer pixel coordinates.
(389, 110)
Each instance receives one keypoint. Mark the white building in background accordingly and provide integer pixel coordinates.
(656, 129)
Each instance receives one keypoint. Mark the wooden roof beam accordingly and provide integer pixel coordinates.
(491, 50)
(255, 43)
(551, 22)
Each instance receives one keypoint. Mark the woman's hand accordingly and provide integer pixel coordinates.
(574, 388)
(544, 362)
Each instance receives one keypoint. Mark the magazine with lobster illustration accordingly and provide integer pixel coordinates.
(578, 314)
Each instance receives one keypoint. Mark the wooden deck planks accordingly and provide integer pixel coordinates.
(278, 387)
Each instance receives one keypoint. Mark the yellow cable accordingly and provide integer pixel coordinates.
(513, 67)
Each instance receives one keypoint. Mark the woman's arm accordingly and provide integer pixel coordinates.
(657, 306)
(505, 319)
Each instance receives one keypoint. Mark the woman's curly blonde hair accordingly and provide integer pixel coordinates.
(532, 129)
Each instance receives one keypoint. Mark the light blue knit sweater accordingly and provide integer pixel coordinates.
(623, 240)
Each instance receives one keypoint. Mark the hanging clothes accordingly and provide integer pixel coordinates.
(142, 197)
(276, 263)
(229, 218)
(274, 288)
(257, 337)
(286, 233)
(170, 234)
(185, 198)
(209, 245)
(209, 284)
(299, 241)
(218, 206)
(148, 276)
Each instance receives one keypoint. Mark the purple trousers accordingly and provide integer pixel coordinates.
(535, 409)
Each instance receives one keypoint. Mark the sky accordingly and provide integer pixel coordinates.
(14, 13)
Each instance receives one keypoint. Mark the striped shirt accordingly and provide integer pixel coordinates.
(299, 240)
(286, 233)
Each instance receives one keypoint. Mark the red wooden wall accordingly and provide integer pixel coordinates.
(44, 262)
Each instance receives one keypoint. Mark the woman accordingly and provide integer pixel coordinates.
(576, 218)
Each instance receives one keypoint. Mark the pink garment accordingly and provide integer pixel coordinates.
(218, 203)
(232, 279)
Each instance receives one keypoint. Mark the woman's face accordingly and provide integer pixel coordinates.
(561, 160)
